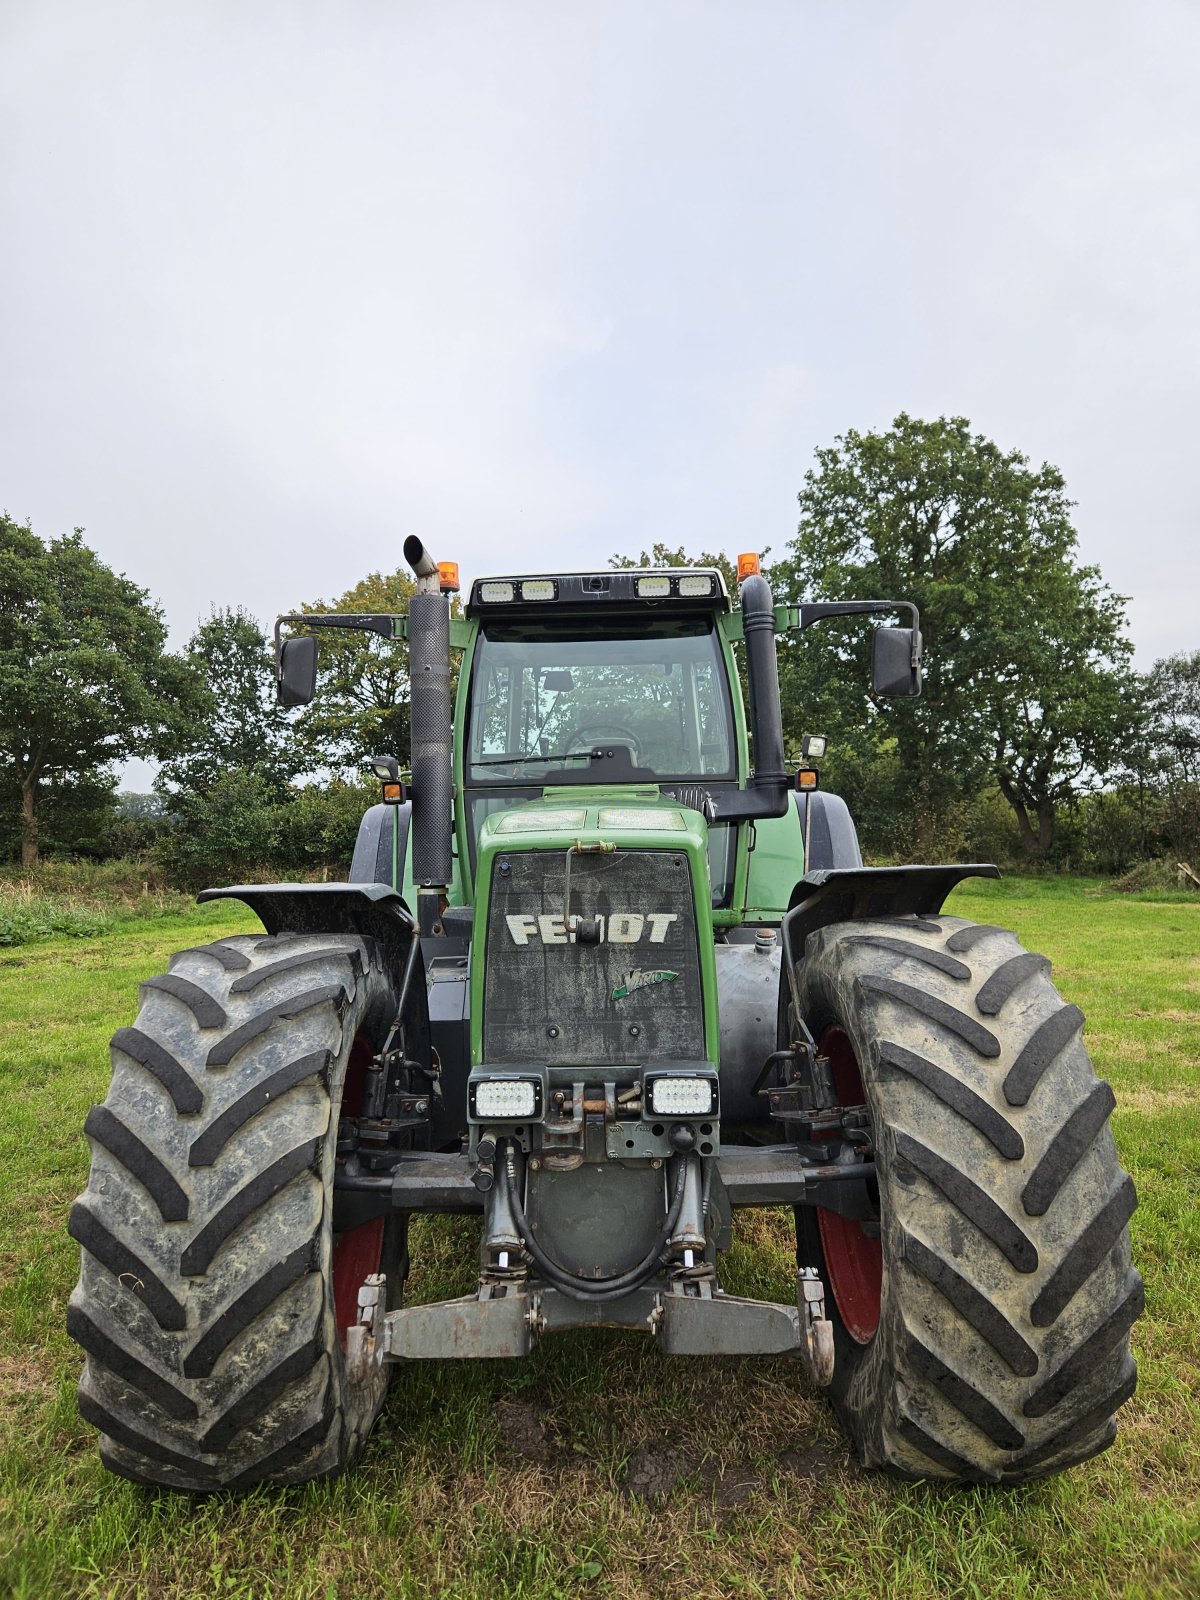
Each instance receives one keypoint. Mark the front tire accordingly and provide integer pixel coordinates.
(214, 1295)
(982, 1324)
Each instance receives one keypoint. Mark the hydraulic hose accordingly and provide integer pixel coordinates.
(612, 1288)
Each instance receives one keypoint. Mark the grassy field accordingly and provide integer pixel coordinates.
(596, 1467)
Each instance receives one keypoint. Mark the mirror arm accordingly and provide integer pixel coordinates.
(819, 609)
(387, 627)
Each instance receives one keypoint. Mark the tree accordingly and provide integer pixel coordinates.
(1170, 768)
(1172, 698)
(85, 678)
(1025, 654)
(242, 728)
(661, 555)
(361, 704)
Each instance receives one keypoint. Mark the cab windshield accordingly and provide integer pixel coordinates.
(545, 702)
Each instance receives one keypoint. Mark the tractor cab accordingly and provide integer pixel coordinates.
(621, 680)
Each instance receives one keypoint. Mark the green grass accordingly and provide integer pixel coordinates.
(517, 1479)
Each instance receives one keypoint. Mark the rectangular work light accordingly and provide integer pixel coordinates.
(692, 1096)
(493, 593)
(695, 584)
(539, 589)
(653, 588)
(505, 1099)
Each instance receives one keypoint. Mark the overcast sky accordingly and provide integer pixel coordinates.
(542, 280)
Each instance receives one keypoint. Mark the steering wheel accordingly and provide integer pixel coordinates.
(590, 734)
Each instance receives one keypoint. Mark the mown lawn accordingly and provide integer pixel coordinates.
(596, 1467)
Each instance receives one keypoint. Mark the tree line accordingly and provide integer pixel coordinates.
(87, 682)
(1033, 739)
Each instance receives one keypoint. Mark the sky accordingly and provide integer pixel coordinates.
(545, 280)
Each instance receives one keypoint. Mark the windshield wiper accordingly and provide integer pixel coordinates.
(518, 760)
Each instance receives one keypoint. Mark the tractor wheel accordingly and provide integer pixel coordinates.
(982, 1322)
(214, 1294)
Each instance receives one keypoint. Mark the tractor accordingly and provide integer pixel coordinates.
(605, 971)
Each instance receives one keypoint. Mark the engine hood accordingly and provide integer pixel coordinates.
(595, 817)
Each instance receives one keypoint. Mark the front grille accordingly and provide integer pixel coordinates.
(634, 996)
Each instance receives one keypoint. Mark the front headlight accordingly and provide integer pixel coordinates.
(683, 1097)
(505, 1099)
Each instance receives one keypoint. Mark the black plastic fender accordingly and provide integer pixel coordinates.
(372, 861)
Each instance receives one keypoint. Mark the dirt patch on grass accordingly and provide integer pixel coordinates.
(527, 1432)
(816, 1461)
(24, 1375)
(1153, 1102)
(655, 1469)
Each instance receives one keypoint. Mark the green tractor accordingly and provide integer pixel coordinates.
(601, 982)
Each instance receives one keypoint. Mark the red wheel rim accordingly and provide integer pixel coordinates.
(853, 1259)
(358, 1252)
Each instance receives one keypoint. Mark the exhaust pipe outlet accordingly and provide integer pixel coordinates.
(422, 563)
(432, 734)
(769, 790)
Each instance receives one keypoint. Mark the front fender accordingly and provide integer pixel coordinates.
(372, 910)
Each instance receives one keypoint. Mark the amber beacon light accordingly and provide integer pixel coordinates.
(748, 566)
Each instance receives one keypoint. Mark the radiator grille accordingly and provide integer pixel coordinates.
(634, 996)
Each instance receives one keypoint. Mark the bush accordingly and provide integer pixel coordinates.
(24, 919)
(79, 899)
(1150, 875)
(317, 829)
(247, 830)
(228, 834)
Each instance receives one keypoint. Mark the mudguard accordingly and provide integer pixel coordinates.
(846, 893)
(372, 910)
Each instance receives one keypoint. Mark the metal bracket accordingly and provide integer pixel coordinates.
(363, 1349)
(818, 1330)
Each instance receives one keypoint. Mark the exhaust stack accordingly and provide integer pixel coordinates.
(768, 793)
(432, 733)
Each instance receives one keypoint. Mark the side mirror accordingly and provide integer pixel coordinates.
(297, 670)
(893, 653)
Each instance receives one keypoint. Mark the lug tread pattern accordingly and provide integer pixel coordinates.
(929, 1006)
(206, 1311)
(139, 1160)
(1008, 1325)
(198, 1257)
(250, 981)
(208, 1145)
(121, 1433)
(914, 952)
(966, 1196)
(128, 1367)
(951, 1091)
(223, 1052)
(198, 1001)
(127, 1267)
(263, 1292)
(1040, 1052)
(1076, 1136)
(258, 1398)
(1098, 1343)
(967, 938)
(1085, 1255)
(161, 1064)
(290, 1455)
(975, 1308)
(953, 1465)
(1006, 979)
(231, 959)
(1083, 1427)
(963, 1396)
